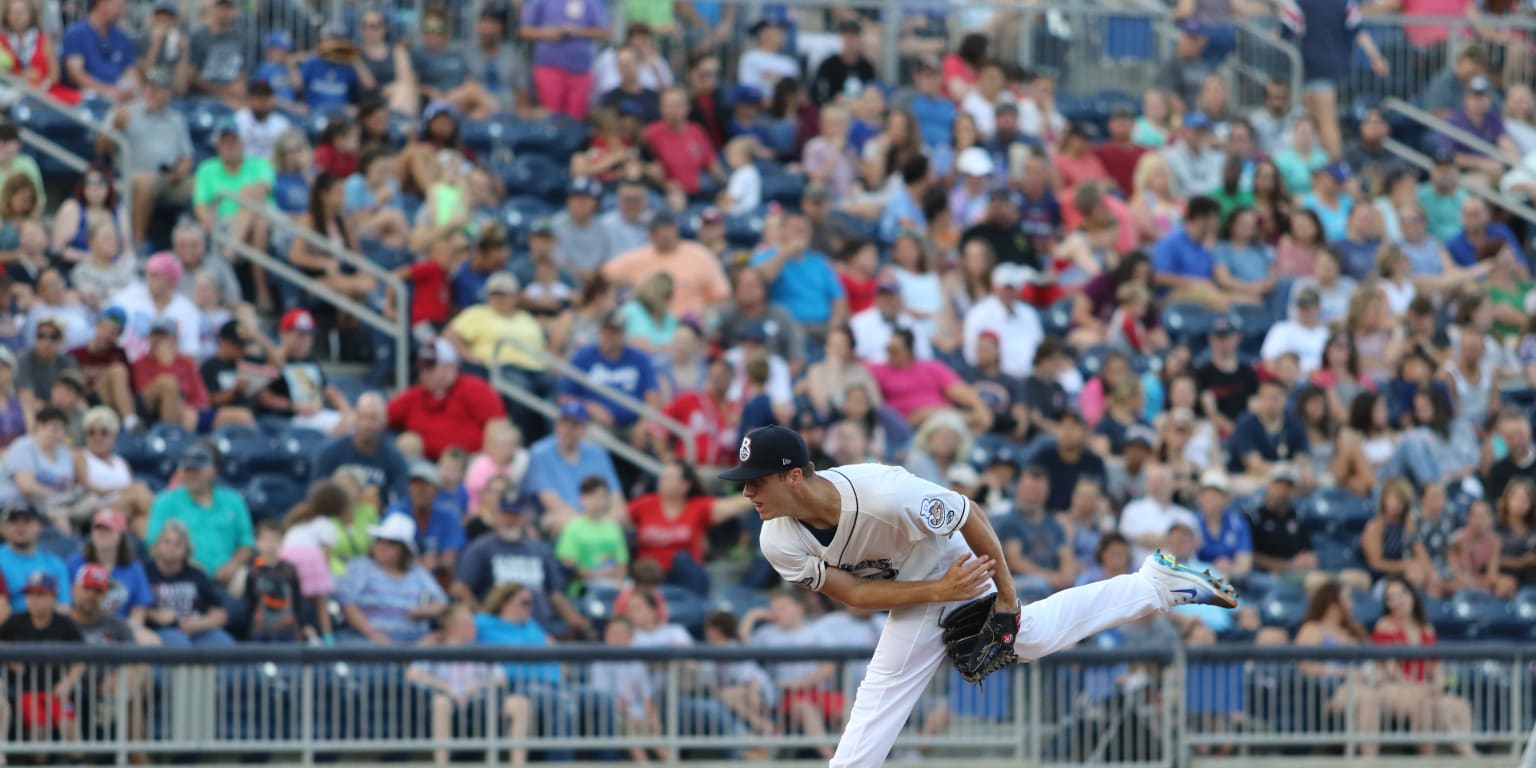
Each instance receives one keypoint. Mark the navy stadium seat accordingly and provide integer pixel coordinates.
(684, 608)
(1336, 555)
(738, 599)
(241, 450)
(1057, 319)
(271, 496)
(1368, 608)
(744, 230)
(786, 189)
(1481, 615)
(596, 601)
(1188, 323)
(1284, 607)
(1334, 510)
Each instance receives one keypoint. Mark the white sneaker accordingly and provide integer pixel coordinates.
(1182, 585)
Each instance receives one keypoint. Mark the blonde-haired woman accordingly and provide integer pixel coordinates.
(106, 477)
(648, 320)
(353, 539)
(942, 441)
(1155, 209)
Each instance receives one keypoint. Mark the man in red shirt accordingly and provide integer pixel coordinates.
(1117, 153)
(447, 408)
(682, 149)
(711, 415)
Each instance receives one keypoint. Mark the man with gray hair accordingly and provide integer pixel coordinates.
(366, 449)
(190, 243)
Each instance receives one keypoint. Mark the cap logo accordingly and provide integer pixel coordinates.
(746, 450)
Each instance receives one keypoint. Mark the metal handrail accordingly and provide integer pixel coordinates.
(645, 411)
(1488, 194)
(399, 328)
(124, 151)
(596, 433)
(1253, 29)
(54, 150)
(1441, 125)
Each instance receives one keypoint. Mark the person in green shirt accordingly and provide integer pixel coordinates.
(232, 174)
(1231, 195)
(593, 544)
(13, 161)
(354, 540)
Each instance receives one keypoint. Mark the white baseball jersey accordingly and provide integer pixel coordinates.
(894, 525)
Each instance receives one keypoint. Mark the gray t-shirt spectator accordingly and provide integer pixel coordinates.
(786, 338)
(55, 473)
(622, 235)
(444, 70)
(581, 249)
(503, 71)
(217, 57)
(158, 139)
(38, 375)
(491, 561)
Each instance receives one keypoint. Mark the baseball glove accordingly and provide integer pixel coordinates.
(980, 641)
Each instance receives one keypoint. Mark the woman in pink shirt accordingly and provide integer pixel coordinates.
(917, 389)
(1075, 160)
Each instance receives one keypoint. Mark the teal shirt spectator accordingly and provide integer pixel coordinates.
(1335, 219)
(1296, 171)
(217, 530)
(806, 288)
(1145, 134)
(640, 324)
(1442, 213)
(15, 569)
(494, 630)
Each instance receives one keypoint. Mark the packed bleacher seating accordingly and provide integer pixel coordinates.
(1257, 339)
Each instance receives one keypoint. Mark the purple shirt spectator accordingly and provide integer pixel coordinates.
(569, 53)
(1489, 129)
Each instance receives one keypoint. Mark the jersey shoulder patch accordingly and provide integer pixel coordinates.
(935, 513)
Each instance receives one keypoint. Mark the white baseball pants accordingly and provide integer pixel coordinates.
(912, 647)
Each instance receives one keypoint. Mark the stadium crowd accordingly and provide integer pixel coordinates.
(1260, 341)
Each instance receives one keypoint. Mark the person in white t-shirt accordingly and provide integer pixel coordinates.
(1016, 323)
(259, 123)
(1147, 520)
(1303, 334)
(872, 327)
(876, 537)
(766, 64)
(808, 690)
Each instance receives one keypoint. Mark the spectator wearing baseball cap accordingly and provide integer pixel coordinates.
(93, 586)
(301, 390)
(334, 76)
(447, 407)
(20, 556)
(105, 365)
(582, 242)
(439, 535)
(39, 705)
(1302, 334)
(215, 516)
(228, 176)
(622, 366)
(1015, 323)
(872, 328)
(1224, 381)
(698, 279)
(169, 383)
(559, 462)
(499, 333)
(1188, 69)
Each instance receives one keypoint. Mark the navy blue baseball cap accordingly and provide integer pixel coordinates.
(582, 185)
(766, 451)
(1223, 325)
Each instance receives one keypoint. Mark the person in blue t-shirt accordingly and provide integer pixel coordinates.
(507, 619)
(366, 447)
(934, 112)
(20, 557)
(278, 70)
(1225, 536)
(1181, 262)
(801, 280)
(1267, 435)
(128, 596)
(334, 76)
(439, 534)
(612, 362)
(1477, 228)
(559, 462)
(98, 57)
